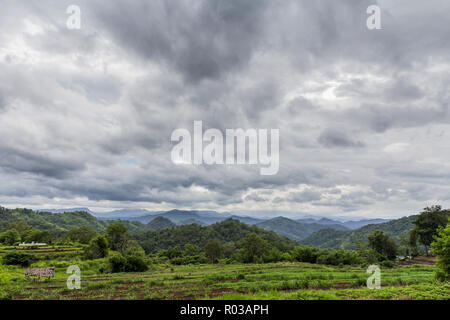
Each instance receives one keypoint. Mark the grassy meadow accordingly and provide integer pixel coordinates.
(283, 280)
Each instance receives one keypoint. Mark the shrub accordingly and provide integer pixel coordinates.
(19, 258)
(117, 263)
(133, 260)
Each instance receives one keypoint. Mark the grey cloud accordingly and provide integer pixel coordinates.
(80, 104)
(304, 196)
(27, 161)
(337, 138)
(203, 41)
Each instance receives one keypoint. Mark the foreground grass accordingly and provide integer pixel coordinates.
(240, 281)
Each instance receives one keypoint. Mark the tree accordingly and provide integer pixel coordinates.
(37, 236)
(10, 237)
(254, 247)
(117, 235)
(190, 250)
(83, 234)
(441, 249)
(213, 251)
(98, 248)
(383, 244)
(427, 223)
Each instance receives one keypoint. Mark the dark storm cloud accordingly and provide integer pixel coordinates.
(201, 39)
(49, 166)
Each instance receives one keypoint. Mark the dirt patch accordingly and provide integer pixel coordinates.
(425, 260)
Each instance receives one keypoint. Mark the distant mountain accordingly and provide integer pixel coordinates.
(247, 220)
(66, 210)
(160, 223)
(127, 214)
(362, 223)
(294, 229)
(348, 224)
(335, 239)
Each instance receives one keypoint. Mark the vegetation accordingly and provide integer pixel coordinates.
(98, 248)
(228, 259)
(19, 258)
(294, 229)
(441, 248)
(298, 281)
(383, 245)
(427, 224)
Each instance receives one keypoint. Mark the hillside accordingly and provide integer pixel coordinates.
(59, 222)
(229, 230)
(294, 229)
(160, 223)
(335, 239)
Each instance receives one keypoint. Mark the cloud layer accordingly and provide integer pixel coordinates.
(86, 115)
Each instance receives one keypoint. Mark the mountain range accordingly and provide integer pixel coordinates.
(322, 232)
(207, 217)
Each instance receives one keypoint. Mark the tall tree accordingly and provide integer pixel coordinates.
(213, 251)
(427, 223)
(117, 235)
(254, 247)
(383, 244)
(98, 248)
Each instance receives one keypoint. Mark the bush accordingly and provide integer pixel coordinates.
(133, 260)
(19, 258)
(117, 263)
(135, 264)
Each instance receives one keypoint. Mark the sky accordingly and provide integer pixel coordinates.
(86, 115)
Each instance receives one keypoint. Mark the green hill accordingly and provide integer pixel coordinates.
(60, 222)
(335, 239)
(160, 223)
(294, 229)
(229, 230)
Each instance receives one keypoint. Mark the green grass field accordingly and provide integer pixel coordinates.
(235, 281)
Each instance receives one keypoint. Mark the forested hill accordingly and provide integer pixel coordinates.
(294, 229)
(60, 222)
(336, 239)
(229, 230)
